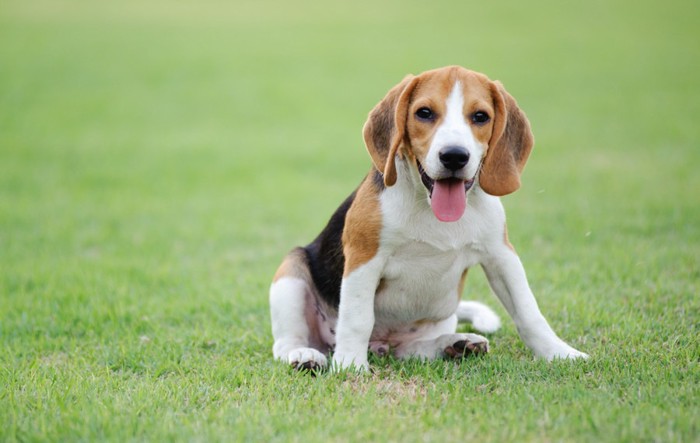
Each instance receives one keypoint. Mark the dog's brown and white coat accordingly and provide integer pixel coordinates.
(387, 272)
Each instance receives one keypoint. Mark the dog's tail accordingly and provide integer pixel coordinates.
(482, 318)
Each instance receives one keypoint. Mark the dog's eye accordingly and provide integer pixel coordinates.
(480, 117)
(425, 114)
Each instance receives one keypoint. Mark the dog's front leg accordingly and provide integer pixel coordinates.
(356, 316)
(507, 278)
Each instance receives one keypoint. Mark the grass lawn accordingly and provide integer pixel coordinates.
(158, 159)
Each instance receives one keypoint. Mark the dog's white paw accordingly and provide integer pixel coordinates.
(567, 354)
(307, 359)
(561, 351)
(482, 318)
(343, 362)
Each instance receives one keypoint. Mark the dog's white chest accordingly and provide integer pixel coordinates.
(419, 283)
(426, 258)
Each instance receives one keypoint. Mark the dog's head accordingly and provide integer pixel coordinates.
(455, 127)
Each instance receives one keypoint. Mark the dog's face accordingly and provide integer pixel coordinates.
(456, 128)
(448, 126)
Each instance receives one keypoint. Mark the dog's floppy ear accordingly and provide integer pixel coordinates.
(385, 128)
(509, 147)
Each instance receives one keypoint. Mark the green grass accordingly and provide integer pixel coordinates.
(158, 159)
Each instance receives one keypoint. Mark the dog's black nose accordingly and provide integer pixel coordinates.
(454, 157)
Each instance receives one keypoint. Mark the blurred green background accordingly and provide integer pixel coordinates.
(157, 160)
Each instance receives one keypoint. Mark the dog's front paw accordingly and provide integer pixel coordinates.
(308, 359)
(557, 349)
(349, 362)
(467, 344)
(566, 353)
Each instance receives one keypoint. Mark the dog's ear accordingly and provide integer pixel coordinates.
(385, 129)
(509, 147)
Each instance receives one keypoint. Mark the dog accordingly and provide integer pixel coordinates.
(387, 272)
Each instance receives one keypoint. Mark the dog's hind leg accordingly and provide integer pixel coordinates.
(293, 314)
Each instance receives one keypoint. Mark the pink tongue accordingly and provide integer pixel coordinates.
(448, 199)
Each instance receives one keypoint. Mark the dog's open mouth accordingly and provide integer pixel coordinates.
(448, 196)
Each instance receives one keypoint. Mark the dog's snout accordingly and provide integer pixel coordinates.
(454, 157)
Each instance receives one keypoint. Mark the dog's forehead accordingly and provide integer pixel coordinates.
(438, 85)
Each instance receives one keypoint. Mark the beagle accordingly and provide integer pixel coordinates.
(386, 274)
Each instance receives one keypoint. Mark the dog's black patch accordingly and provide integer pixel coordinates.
(325, 254)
